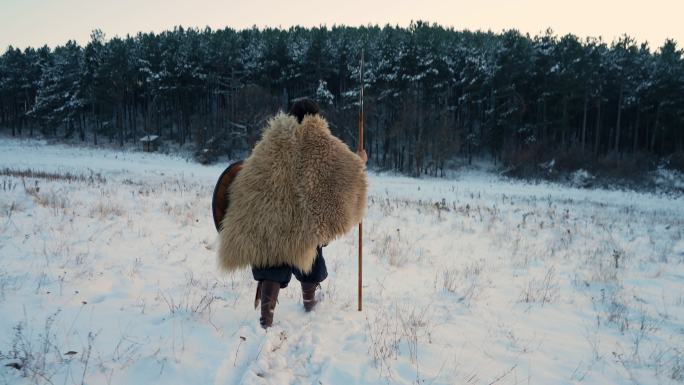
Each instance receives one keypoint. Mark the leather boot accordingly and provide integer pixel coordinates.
(267, 292)
(309, 295)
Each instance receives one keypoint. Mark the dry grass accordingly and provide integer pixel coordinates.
(391, 248)
(195, 298)
(51, 176)
(48, 199)
(8, 209)
(106, 209)
(394, 329)
(464, 282)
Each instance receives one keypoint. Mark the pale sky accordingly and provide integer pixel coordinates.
(52, 22)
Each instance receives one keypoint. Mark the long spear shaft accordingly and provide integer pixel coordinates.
(360, 147)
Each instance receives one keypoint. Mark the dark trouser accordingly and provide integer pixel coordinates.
(283, 274)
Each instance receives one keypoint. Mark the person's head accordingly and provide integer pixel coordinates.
(304, 107)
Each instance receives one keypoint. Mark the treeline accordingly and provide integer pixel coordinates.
(432, 94)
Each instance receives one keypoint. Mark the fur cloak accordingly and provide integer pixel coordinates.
(300, 187)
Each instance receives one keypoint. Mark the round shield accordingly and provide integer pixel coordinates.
(220, 201)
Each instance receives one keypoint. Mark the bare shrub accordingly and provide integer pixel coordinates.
(677, 370)
(33, 358)
(541, 291)
(384, 335)
(183, 212)
(8, 209)
(450, 280)
(605, 260)
(615, 167)
(384, 205)
(668, 362)
(8, 184)
(127, 351)
(415, 327)
(617, 313)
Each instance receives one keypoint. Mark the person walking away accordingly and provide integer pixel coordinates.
(300, 188)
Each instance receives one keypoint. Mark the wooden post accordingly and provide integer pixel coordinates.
(360, 147)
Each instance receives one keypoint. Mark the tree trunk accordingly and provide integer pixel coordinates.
(131, 122)
(597, 133)
(636, 130)
(119, 123)
(544, 128)
(81, 127)
(14, 119)
(584, 121)
(565, 121)
(617, 124)
(656, 126)
(97, 127)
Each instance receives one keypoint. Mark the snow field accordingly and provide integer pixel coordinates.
(111, 279)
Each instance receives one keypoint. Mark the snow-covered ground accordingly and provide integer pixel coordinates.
(111, 279)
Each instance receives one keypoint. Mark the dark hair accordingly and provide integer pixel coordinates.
(304, 107)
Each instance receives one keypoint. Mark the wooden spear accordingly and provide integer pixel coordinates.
(360, 148)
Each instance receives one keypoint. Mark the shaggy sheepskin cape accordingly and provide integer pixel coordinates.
(301, 187)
